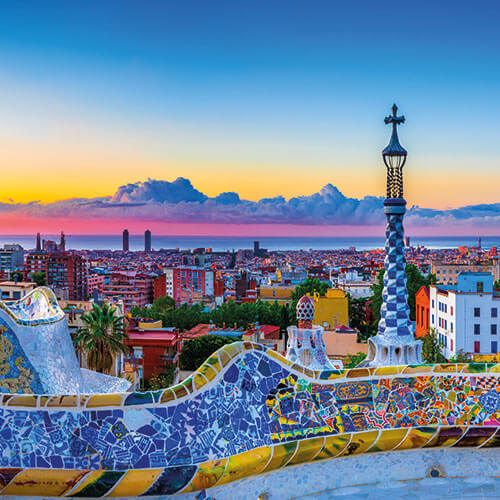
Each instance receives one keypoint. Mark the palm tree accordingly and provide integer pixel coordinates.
(102, 337)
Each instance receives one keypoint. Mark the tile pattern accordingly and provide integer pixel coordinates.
(395, 312)
(246, 411)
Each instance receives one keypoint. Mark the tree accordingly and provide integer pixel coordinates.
(39, 278)
(414, 281)
(431, 349)
(496, 285)
(353, 360)
(308, 286)
(196, 351)
(102, 337)
(16, 276)
(162, 380)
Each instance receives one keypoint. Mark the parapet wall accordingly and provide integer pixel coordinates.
(245, 412)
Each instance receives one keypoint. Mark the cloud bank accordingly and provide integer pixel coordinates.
(179, 201)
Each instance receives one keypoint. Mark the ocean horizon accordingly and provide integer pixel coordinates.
(223, 243)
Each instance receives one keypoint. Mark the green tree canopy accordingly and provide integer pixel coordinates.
(308, 286)
(102, 337)
(16, 276)
(414, 281)
(196, 351)
(431, 350)
(39, 278)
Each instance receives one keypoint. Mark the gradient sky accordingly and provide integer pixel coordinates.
(262, 98)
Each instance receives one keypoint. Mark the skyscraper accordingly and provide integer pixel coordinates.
(147, 241)
(125, 243)
(38, 242)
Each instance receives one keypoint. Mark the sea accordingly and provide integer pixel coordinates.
(223, 243)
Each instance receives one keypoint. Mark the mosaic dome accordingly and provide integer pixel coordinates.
(305, 312)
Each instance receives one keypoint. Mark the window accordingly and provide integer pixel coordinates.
(493, 329)
(451, 310)
(494, 349)
(477, 312)
(451, 344)
(477, 346)
(433, 303)
(494, 312)
(432, 319)
(445, 324)
(477, 329)
(451, 326)
(479, 286)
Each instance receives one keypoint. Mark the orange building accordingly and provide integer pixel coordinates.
(422, 311)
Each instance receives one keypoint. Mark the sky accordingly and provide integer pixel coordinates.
(263, 99)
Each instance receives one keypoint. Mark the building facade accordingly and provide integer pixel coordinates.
(447, 273)
(465, 316)
(191, 284)
(422, 312)
(11, 257)
(136, 290)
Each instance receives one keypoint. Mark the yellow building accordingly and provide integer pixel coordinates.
(282, 294)
(331, 310)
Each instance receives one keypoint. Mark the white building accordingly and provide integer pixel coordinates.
(169, 282)
(357, 289)
(465, 315)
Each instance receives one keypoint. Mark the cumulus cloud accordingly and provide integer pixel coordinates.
(179, 201)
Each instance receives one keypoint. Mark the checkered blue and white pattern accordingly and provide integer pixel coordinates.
(395, 312)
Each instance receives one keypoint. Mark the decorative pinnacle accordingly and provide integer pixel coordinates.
(394, 148)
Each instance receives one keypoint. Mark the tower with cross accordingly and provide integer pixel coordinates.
(394, 343)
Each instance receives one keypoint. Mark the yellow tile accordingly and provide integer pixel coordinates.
(388, 439)
(357, 373)
(282, 454)
(63, 401)
(417, 438)
(43, 482)
(232, 350)
(207, 475)
(307, 450)
(167, 395)
(446, 436)
(224, 357)
(98, 400)
(90, 478)
(494, 369)
(410, 369)
(360, 442)
(445, 368)
(25, 400)
(387, 370)
(180, 391)
(135, 482)
(333, 446)
(249, 463)
(199, 380)
(209, 372)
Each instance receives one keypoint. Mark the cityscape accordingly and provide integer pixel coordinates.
(211, 290)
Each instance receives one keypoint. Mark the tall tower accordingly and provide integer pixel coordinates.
(38, 242)
(147, 241)
(62, 242)
(125, 242)
(394, 344)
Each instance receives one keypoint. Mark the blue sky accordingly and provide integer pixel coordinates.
(261, 98)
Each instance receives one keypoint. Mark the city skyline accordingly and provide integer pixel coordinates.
(263, 102)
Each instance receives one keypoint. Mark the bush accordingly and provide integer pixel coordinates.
(196, 351)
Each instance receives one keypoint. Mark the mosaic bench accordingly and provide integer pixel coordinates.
(245, 411)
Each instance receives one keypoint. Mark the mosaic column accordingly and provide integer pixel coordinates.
(306, 343)
(394, 344)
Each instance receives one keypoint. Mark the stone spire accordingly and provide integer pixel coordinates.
(394, 344)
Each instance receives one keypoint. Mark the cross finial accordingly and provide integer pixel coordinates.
(394, 118)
